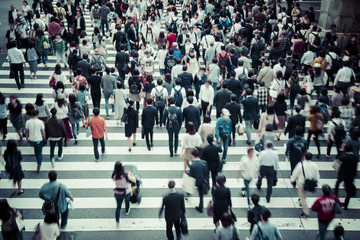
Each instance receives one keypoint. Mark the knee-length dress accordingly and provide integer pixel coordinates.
(133, 122)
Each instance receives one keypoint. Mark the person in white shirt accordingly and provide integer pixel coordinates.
(148, 63)
(205, 41)
(160, 96)
(206, 97)
(49, 228)
(17, 63)
(35, 134)
(307, 59)
(306, 169)
(240, 70)
(162, 55)
(280, 67)
(344, 75)
(177, 69)
(249, 165)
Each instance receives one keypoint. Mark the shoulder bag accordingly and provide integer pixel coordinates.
(260, 234)
(337, 208)
(184, 225)
(89, 130)
(234, 234)
(51, 206)
(309, 184)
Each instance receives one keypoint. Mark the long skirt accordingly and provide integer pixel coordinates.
(69, 134)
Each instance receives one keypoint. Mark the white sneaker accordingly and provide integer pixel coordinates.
(60, 157)
(127, 213)
(53, 162)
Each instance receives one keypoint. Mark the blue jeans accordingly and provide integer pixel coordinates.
(38, 146)
(322, 229)
(172, 133)
(52, 148)
(104, 23)
(96, 144)
(247, 189)
(64, 218)
(248, 125)
(214, 85)
(77, 129)
(225, 143)
(107, 96)
(44, 56)
(119, 199)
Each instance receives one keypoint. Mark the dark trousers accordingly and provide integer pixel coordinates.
(161, 110)
(3, 126)
(148, 132)
(173, 134)
(121, 74)
(52, 148)
(96, 99)
(344, 86)
(119, 199)
(69, 22)
(64, 218)
(338, 147)
(201, 196)
(268, 172)
(18, 68)
(348, 181)
(104, 23)
(96, 144)
(169, 232)
(293, 163)
(214, 173)
(316, 139)
(204, 106)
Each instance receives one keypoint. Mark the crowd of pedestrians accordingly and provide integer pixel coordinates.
(241, 60)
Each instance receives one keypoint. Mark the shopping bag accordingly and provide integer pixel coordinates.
(188, 184)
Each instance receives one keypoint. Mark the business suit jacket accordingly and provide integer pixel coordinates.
(234, 109)
(72, 9)
(222, 97)
(85, 68)
(119, 38)
(131, 35)
(192, 114)
(148, 115)
(235, 86)
(121, 59)
(210, 154)
(82, 24)
(180, 39)
(199, 172)
(222, 199)
(174, 206)
(266, 75)
(293, 122)
(251, 108)
(171, 109)
(10, 17)
(186, 79)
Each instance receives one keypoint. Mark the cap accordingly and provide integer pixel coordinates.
(60, 96)
(317, 65)
(147, 52)
(225, 112)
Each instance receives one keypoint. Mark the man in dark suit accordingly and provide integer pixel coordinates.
(79, 22)
(119, 38)
(12, 15)
(222, 97)
(192, 113)
(132, 35)
(234, 85)
(181, 40)
(174, 210)
(186, 78)
(251, 112)
(121, 59)
(235, 114)
(294, 121)
(85, 66)
(70, 13)
(148, 117)
(172, 126)
(210, 154)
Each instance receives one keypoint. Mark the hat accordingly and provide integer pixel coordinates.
(317, 65)
(147, 51)
(225, 112)
(97, 51)
(60, 96)
(345, 58)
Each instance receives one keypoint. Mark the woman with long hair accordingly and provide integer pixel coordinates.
(280, 108)
(15, 111)
(42, 107)
(316, 126)
(190, 141)
(83, 96)
(3, 115)
(62, 114)
(222, 199)
(148, 86)
(268, 117)
(205, 129)
(7, 217)
(39, 45)
(161, 40)
(168, 84)
(59, 88)
(149, 37)
(49, 228)
(75, 115)
(13, 157)
(119, 106)
(122, 189)
(58, 75)
(132, 125)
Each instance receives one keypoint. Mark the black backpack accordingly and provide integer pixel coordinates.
(222, 61)
(339, 132)
(173, 122)
(296, 86)
(178, 97)
(76, 113)
(173, 26)
(335, 66)
(170, 63)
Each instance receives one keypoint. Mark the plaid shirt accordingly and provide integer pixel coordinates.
(262, 96)
(347, 114)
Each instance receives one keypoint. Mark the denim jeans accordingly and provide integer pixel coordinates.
(64, 218)
(225, 142)
(248, 125)
(119, 199)
(52, 147)
(214, 85)
(247, 189)
(322, 229)
(38, 146)
(107, 96)
(44, 56)
(161, 110)
(96, 144)
(77, 125)
(172, 133)
(104, 23)
(61, 56)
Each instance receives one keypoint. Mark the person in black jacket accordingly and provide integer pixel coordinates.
(132, 35)
(222, 97)
(132, 124)
(85, 66)
(173, 131)
(73, 61)
(186, 78)
(210, 154)
(234, 85)
(222, 199)
(294, 121)
(174, 210)
(192, 113)
(70, 13)
(12, 15)
(79, 22)
(121, 59)
(235, 114)
(95, 81)
(148, 117)
(251, 112)
(119, 38)
(347, 173)
(13, 158)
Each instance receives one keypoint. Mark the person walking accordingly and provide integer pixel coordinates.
(59, 46)
(265, 228)
(17, 64)
(42, 47)
(56, 192)
(49, 227)
(75, 115)
(210, 154)
(83, 97)
(3, 115)
(296, 148)
(42, 107)
(32, 59)
(120, 102)
(268, 117)
(7, 217)
(63, 114)
(222, 97)
(56, 133)
(316, 124)
(347, 173)
(268, 167)
(191, 113)
(172, 121)
(148, 118)
(35, 134)
(190, 142)
(251, 112)
(15, 110)
(174, 205)
(295, 120)
(98, 127)
(235, 115)
(253, 214)
(122, 189)
(199, 171)
(336, 132)
(249, 165)
(222, 199)
(95, 84)
(223, 131)
(108, 85)
(310, 170)
(206, 97)
(13, 158)
(205, 129)
(324, 206)
(227, 231)
(160, 96)
(280, 108)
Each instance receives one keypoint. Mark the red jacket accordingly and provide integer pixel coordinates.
(324, 206)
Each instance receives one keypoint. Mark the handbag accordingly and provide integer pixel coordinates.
(126, 69)
(125, 118)
(275, 179)
(86, 98)
(111, 100)
(52, 81)
(46, 45)
(184, 225)
(233, 216)
(89, 130)
(256, 123)
(336, 165)
(274, 125)
(20, 224)
(205, 186)
(37, 235)
(259, 146)
(188, 183)
(210, 209)
(309, 184)
(337, 208)
(260, 234)
(51, 206)
(240, 129)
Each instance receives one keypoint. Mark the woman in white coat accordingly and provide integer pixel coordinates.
(120, 97)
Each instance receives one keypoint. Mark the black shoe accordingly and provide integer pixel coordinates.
(199, 209)
(134, 144)
(267, 200)
(76, 142)
(234, 143)
(318, 156)
(171, 155)
(224, 161)
(149, 148)
(345, 207)
(248, 142)
(303, 215)
(151, 144)
(129, 149)
(258, 187)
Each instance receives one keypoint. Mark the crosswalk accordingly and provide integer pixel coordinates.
(92, 216)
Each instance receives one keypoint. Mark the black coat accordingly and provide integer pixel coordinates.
(133, 122)
(348, 166)
(192, 114)
(148, 117)
(73, 11)
(82, 24)
(121, 59)
(293, 122)
(171, 110)
(235, 86)
(222, 199)
(119, 38)
(222, 97)
(199, 171)
(85, 68)
(234, 109)
(210, 154)
(186, 79)
(251, 108)
(174, 206)
(131, 35)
